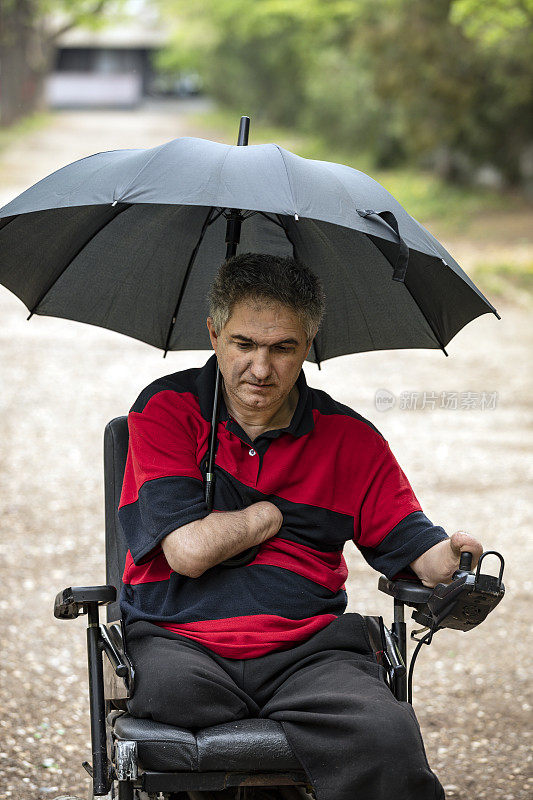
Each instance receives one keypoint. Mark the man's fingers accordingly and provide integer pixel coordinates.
(460, 541)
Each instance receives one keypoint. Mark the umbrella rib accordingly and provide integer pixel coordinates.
(288, 177)
(220, 212)
(315, 348)
(275, 222)
(186, 277)
(284, 229)
(6, 220)
(149, 161)
(116, 211)
(434, 332)
(368, 329)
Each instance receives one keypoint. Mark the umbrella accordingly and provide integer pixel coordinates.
(130, 240)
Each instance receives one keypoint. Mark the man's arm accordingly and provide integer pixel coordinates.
(195, 547)
(438, 564)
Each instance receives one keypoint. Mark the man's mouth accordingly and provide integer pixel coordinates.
(260, 385)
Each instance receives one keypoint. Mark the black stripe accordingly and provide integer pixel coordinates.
(321, 529)
(163, 505)
(221, 593)
(326, 405)
(179, 382)
(406, 541)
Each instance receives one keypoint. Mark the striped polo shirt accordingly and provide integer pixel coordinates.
(330, 473)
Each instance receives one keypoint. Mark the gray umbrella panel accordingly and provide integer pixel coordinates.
(190, 171)
(130, 240)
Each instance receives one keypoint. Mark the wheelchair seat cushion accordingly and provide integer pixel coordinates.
(248, 745)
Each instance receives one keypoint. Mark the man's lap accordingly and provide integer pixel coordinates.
(183, 683)
(339, 716)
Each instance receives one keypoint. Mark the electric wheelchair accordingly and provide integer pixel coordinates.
(139, 759)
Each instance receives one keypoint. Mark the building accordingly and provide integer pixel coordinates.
(111, 67)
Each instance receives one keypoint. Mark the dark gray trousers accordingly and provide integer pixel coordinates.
(352, 737)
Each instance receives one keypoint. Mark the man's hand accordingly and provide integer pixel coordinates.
(438, 564)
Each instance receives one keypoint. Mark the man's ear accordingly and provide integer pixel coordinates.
(212, 334)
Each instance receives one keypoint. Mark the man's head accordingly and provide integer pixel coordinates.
(269, 278)
(264, 313)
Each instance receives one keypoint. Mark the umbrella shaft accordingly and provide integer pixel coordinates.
(233, 232)
(233, 235)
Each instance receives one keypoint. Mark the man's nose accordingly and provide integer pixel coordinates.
(260, 366)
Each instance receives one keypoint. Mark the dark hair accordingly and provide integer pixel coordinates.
(269, 277)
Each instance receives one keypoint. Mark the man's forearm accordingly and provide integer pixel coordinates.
(199, 545)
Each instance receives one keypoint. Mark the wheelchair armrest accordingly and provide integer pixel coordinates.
(461, 604)
(412, 593)
(74, 600)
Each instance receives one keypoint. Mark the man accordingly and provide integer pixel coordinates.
(298, 474)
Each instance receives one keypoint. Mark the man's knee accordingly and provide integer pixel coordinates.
(182, 687)
(395, 735)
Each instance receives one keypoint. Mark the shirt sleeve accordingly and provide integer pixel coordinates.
(163, 484)
(393, 530)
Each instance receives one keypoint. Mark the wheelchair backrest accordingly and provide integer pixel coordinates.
(115, 451)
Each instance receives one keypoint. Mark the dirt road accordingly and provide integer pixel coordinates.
(60, 382)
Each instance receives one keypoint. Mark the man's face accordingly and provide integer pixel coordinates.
(260, 351)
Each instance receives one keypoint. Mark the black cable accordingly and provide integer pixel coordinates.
(425, 640)
(210, 472)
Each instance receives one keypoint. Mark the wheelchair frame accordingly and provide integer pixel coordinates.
(111, 680)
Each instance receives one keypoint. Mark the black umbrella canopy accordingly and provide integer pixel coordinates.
(130, 240)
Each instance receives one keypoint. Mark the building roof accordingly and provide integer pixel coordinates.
(136, 34)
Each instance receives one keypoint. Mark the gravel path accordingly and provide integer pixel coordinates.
(60, 382)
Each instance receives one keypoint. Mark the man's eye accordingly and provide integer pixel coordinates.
(243, 345)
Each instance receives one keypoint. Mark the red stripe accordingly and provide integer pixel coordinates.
(157, 569)
(344, 466)
(166, 440)
(326, 569)
(250, 637)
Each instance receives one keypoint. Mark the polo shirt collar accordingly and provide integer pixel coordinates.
(302, 421)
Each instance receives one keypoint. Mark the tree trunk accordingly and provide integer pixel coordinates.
(24, 59)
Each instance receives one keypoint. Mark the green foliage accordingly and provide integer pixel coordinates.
(426, 196)
(495, 24)
(511, 281)
(446, 84)
(27, 125)
(28, 31)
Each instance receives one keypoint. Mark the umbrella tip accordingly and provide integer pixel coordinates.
(244, 129)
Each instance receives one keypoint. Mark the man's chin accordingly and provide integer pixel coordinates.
(259, 396)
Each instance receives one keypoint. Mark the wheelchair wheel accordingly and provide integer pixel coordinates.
(249, 793)
(75, 797)
(127, 792)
